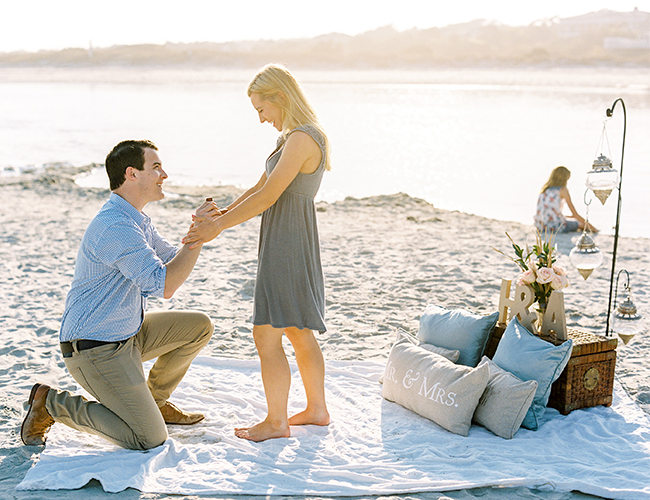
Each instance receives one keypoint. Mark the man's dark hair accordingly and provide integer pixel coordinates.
(126, 154)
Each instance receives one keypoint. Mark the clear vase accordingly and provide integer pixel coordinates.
(540, 311)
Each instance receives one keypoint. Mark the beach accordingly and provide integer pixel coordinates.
(456, 137)
(384, 259)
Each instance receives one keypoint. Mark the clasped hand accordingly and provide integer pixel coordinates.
(204, 225)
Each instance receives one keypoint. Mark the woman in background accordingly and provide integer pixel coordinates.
(289, 289)
(551, 201)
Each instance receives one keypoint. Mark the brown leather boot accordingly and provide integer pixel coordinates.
(174, 415)
(37, 421)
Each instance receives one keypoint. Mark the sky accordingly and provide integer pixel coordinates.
(34, 25)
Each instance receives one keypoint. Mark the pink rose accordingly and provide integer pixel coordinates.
(559, 271)
(532, 264)
(526, 278)
(559, 282)
(544, 275)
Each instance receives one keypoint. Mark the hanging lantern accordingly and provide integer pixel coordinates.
(602, 178)
(586, 256)
(627, 321)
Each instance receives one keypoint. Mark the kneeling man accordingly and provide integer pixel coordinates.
(106, 334)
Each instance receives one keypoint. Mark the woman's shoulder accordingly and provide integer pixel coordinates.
(552, 191)
(312, 132)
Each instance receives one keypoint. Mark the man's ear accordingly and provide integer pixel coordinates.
(130, 173)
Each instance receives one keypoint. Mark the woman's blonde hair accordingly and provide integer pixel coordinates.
(276, 85)
(558, 178)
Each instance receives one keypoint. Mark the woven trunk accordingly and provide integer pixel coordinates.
(587, 380)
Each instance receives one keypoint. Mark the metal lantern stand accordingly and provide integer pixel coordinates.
(609, 113)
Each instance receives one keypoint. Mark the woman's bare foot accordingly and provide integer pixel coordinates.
(263, 431)
(310, 417)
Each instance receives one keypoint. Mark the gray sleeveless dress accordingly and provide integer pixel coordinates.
(289, 289)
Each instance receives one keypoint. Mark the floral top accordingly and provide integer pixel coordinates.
(549, 210)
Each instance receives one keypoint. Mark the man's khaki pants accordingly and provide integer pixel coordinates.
(127, 408)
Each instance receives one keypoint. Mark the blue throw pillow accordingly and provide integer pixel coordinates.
(530, 358)
(458, 330)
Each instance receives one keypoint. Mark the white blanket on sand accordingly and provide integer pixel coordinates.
(372, 446)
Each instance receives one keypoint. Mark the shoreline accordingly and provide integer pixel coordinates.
(471, 74)
(88, 177)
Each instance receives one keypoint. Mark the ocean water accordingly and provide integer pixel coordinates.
(481, 141)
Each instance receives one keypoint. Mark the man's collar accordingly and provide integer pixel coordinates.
(126, 207)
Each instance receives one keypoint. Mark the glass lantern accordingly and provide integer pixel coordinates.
(627, 321)
(602, 178)
(586, 256)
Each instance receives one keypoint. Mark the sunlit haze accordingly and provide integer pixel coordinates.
(33, 25)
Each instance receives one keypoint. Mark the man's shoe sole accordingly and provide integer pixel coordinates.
(30, 402)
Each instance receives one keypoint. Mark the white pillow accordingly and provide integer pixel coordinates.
(504, 403)
(432, 386)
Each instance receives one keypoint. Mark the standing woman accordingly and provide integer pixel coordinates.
(550, 203)
(289, 288)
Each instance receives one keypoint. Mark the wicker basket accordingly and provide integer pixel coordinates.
(587, 380)
(493, 340)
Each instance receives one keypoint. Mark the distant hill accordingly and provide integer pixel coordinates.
(603, 37)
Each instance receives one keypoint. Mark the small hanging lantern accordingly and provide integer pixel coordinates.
(602, 178)
(586, 256)
(627, 321)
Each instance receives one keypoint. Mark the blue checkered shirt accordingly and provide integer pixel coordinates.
(121, 261)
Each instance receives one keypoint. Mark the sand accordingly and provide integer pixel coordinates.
(385, 258)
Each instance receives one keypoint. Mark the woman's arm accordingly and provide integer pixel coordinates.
(564, 194)
(210, 209)
(247, 193)
(299, 153)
